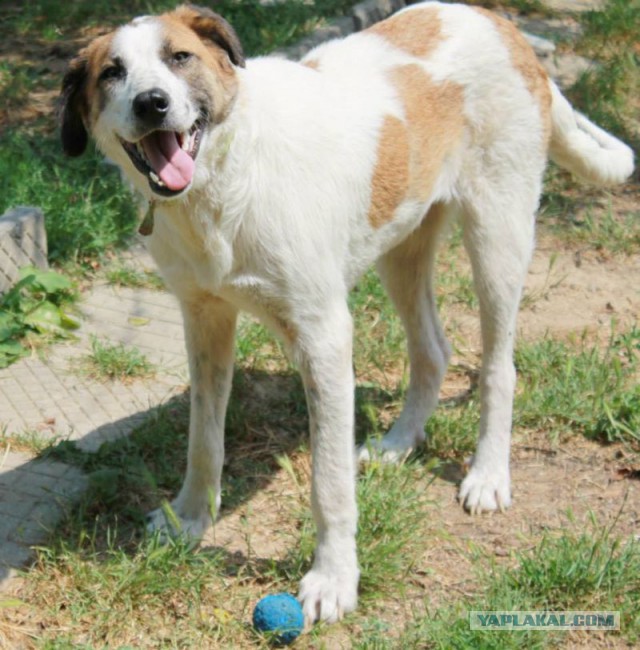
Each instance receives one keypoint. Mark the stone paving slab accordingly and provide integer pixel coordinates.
(49, 396)
(34, 494)
(52, 395)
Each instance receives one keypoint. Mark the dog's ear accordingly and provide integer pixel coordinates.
(73, 108)
(208, 25)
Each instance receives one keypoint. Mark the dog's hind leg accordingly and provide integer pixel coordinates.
(407, 275)
(209, 325)
(498, 230)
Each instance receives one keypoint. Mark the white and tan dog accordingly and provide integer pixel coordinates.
(277, 184)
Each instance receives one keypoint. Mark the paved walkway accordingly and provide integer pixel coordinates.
(46, 396)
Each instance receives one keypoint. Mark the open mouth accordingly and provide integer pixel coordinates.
(167, 158)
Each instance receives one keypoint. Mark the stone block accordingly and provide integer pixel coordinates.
(23, 242)
(370, 12)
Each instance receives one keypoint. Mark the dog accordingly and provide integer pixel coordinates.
(274, 185)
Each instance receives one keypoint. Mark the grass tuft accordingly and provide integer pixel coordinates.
(86, 206)
(116, 362)
(576, 387)
(391, 501)
(593, 571)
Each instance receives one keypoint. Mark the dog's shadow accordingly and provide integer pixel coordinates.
(132, 475)
(129, 476)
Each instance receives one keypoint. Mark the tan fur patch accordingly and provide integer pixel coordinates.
(411, 154)
(212, 75)
(391, 174)
(97, 55)
(417, 31)
(313, 64)
(525, 62)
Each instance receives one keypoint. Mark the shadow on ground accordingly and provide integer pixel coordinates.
(109, 492)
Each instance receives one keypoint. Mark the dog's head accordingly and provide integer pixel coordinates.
(150, 92)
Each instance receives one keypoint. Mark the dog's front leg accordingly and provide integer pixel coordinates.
(209, 325)
(330, 589)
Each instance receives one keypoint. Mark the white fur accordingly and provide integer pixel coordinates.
(585, 149)
(138, 46)
(275, 223)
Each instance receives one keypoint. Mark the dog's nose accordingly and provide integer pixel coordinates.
(151, 105)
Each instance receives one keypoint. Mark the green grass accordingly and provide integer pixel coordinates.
(391, 505)
(377, 328)
(586, 218)
(565, 388)
(116, 362)
(578, 388)
(262, 27)
(564, 571)
(100, 547)
(118, 582)
(609, 92)
(30, 441)
(87, 209)
(121, 275)
(523, 7)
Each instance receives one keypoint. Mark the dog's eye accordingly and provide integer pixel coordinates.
(112, 73)
(181, 57)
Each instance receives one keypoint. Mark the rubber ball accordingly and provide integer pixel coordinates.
(280, 617)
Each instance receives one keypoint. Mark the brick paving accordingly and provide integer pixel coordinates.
(48, 396)
(34, 494)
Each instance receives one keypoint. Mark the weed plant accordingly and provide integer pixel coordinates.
(109, 361)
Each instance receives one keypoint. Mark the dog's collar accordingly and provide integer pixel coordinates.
(146, 227)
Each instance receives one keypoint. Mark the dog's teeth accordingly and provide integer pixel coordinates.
(155, 178)
(185, 141)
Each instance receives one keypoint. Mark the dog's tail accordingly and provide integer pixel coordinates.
(585, 149)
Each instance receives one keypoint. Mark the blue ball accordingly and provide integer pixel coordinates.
(280, 617)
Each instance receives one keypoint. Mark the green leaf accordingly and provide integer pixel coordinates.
(48, 281)
(11, 602)
(10, 351)
(9, 326)
(11, 347)
(69, 321)
(45, 318)
(138, 321)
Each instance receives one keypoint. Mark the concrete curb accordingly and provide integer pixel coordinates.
(23, 242)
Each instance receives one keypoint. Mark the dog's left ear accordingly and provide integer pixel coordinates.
(213, 27)
(73, 108)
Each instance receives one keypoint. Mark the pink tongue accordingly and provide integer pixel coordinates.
(174, 165)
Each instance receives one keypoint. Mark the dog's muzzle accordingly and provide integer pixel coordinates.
(165, 157)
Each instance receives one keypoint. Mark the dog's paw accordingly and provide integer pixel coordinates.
(389, 449)
(170, 524)
(327, 596)
(485, 491)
